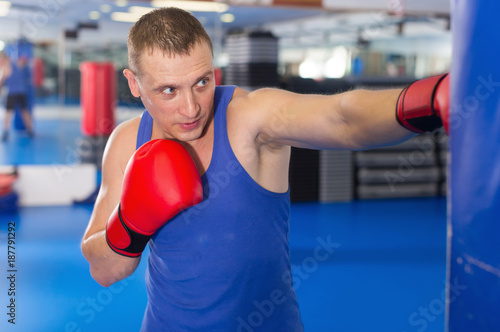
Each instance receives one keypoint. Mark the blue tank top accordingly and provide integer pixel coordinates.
(19, 80)
(224, 264)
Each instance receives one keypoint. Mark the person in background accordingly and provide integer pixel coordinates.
(16, 77)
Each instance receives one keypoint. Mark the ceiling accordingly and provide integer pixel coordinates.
(336, 22)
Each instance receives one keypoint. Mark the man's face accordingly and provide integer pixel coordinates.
(178, 91)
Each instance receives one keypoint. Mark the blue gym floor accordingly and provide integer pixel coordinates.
(385, 273)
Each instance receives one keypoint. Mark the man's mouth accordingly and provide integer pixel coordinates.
(189, 125)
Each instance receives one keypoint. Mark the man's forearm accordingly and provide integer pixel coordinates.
(106, 266)
(371, 118)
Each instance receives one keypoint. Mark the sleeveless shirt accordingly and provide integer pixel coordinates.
(19, 80)
(224, 264)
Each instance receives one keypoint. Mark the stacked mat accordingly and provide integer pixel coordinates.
(253, 59)
(336, 176)
(410, 169)
(444, 159)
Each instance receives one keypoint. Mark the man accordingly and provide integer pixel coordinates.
(18, 83)
(213, 265)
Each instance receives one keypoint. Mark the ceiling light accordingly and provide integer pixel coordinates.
(105, 8)
(4, 8)
(125, 17)
(94, 15)
(135, 12)
(227, 18)
(121, 3)
(139, 10)
(193, 6)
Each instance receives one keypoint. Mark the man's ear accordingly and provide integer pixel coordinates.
(132, 83)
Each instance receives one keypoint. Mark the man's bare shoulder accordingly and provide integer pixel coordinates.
(244, 102)
(239, 110)
(242, 96)
(127, 130)
(250, 112)
(239, 96)
(260, 99)
(122, 142)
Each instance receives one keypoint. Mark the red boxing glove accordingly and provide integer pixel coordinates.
(7, 181)
(424, 105)
(160, 181)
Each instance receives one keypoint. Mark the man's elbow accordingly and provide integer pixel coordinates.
(108, 276)
(109, 272)
(103, 279)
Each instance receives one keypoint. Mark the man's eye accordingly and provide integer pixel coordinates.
(203, 82)
(169, 91)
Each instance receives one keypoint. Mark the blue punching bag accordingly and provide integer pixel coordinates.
(474, 202)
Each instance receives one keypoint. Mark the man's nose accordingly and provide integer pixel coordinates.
(190, 106)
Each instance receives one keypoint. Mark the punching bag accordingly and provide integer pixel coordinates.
(473, 290)
(98, 98)
(98, 102)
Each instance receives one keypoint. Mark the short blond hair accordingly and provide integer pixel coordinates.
(169, 30)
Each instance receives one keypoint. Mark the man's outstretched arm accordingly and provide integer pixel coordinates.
(354, 120)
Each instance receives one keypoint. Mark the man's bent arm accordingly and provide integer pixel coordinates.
(106, 266)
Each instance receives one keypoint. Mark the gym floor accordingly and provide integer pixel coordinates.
(385, 269)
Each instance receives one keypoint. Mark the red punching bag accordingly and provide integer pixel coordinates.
(98, 98)
(38, 72)
(218, 76)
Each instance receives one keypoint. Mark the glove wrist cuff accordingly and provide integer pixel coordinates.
(122, 239)
(415, 107)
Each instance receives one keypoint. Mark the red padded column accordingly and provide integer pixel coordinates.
(98, 98)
